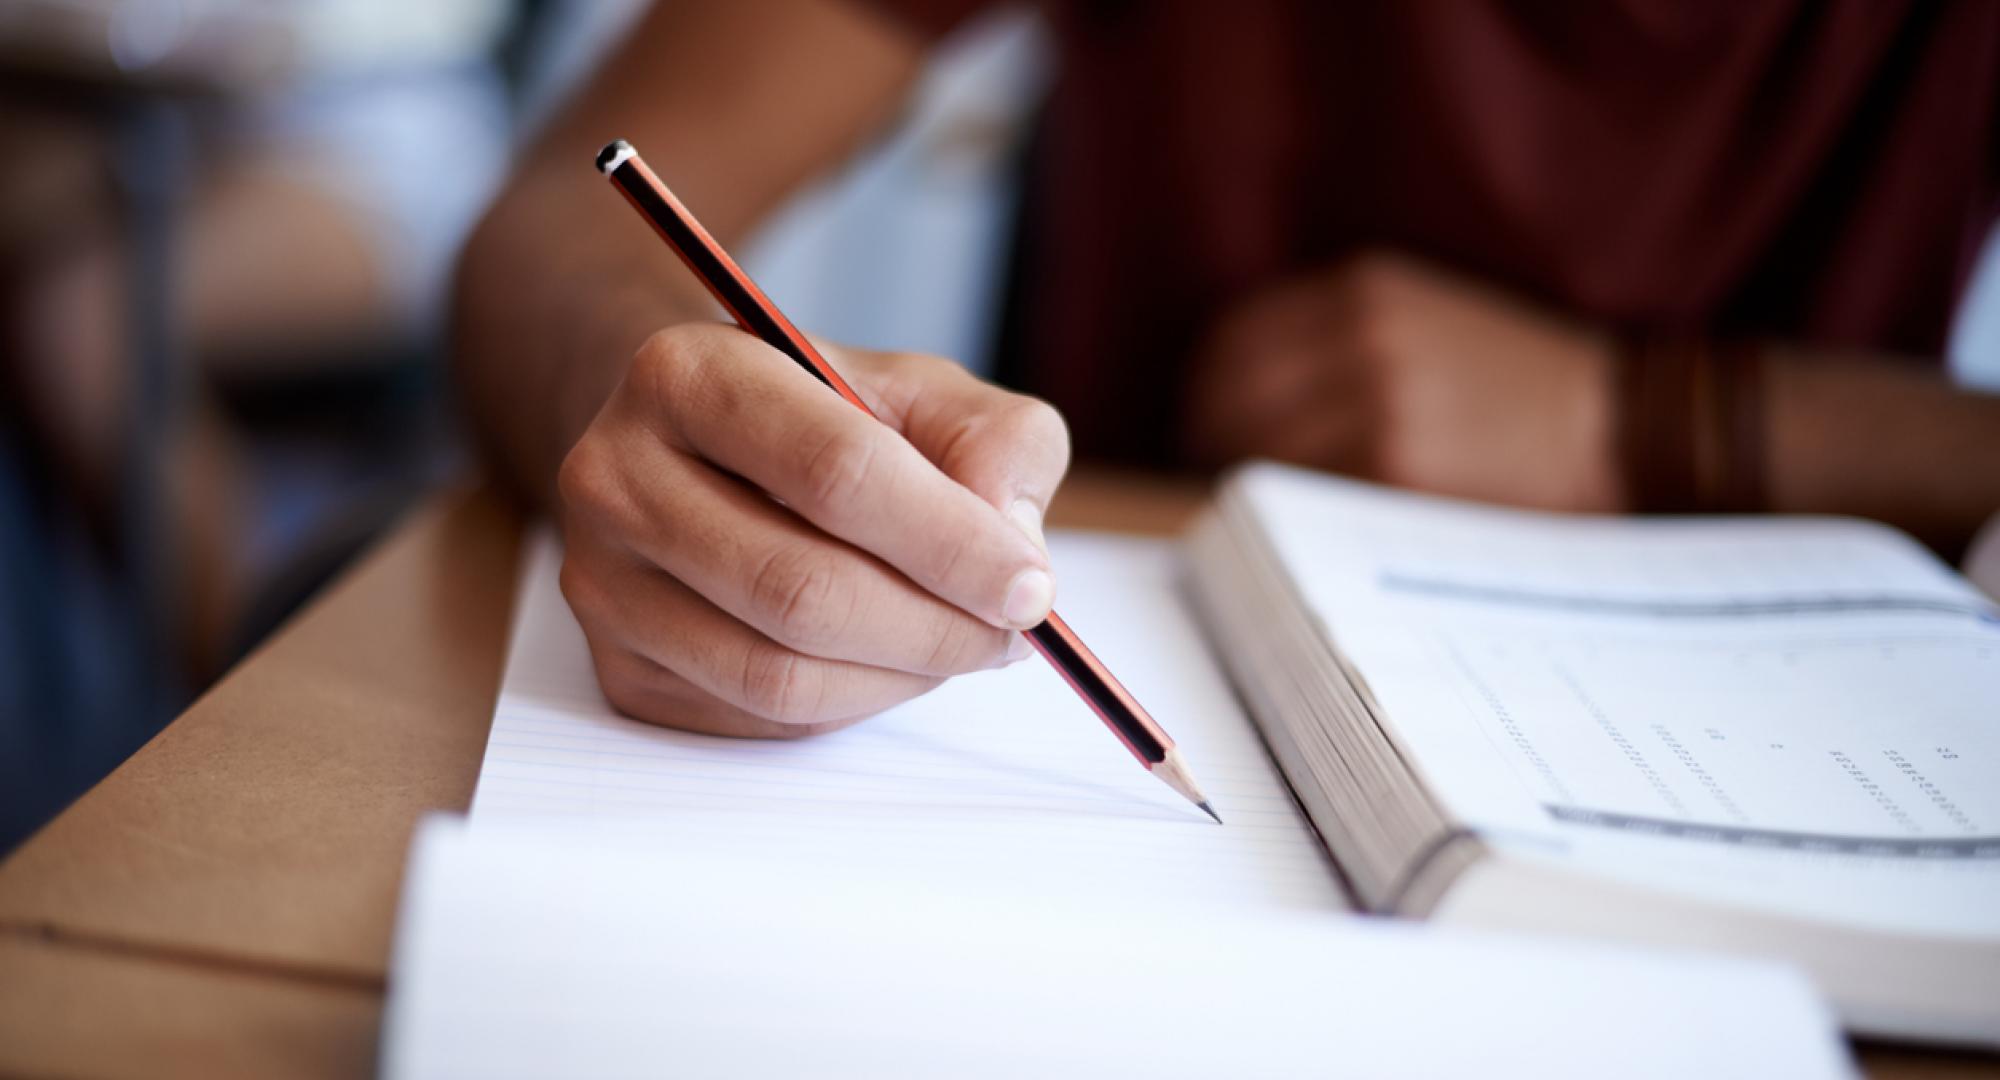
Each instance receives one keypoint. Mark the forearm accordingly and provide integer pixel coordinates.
(1862, 435)
(557, 289)
(736, 102)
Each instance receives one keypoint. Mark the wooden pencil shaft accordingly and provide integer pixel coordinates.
(724, 279)
(1105, 695)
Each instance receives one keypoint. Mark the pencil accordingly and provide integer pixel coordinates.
(756, 314)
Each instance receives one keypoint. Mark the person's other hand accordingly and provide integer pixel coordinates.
(1393, 370)
(749, 554)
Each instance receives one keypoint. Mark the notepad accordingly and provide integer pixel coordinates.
(1000, 773)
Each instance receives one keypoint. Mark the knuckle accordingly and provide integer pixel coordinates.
(838, 470)
(909, 374)
(583, 480)
(626, 694)
(1368, 320)
(1353, 285)
(595, 494)
(796, 594)
(1375, 268)
(579, 590)
(961, 645)
(1018, 429)
(1372, 332)
(964, 443)
(778, 684)
(655, 360)
(1039, 423)
(927, 367)
(625, 683)
(945, 561)
(671, 365)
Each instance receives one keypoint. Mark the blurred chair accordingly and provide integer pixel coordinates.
(221, 375)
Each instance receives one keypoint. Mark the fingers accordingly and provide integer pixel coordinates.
(643, 690)
(1288, 404)
(767, 568)
(751, 411)
(1009, 449)
(750, 555)
(631, 611)
(1326, 431)
(1288, 375)
(1237, 400)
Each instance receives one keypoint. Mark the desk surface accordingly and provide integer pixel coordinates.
(222, 903)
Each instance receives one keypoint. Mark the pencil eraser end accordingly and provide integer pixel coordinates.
(613, 155)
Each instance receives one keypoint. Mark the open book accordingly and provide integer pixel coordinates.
(1779, 737)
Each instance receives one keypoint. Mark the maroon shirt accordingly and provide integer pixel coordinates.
(1818, 170)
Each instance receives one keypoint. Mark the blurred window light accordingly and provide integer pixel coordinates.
(247, 45)
(141, 35)
(905, 247)
(1975, 334)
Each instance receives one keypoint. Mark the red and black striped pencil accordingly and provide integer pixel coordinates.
(755, 313)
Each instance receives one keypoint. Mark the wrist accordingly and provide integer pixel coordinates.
(1593, 419)
(1689, 423)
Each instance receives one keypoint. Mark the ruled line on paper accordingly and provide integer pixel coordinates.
(1002, 767)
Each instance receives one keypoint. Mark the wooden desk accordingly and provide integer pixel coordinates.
(222, 904)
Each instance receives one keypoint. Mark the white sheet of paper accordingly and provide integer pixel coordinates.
(530, 951)
(998, 774)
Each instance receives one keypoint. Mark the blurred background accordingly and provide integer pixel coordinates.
(227, 229)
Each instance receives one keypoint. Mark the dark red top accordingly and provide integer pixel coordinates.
(1820, 170)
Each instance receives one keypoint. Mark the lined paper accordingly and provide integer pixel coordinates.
(1001, 774)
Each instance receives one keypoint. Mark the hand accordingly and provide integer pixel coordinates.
(885, 557)
(1389, 369)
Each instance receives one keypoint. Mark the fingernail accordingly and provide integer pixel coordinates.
(1028, 599)
(1018, 648)
(1029, 517)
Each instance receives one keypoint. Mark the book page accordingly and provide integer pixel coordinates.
(1002, 773)
(533, 953)
(1802, 714)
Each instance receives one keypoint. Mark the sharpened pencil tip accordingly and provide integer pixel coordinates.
(1173, 771)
